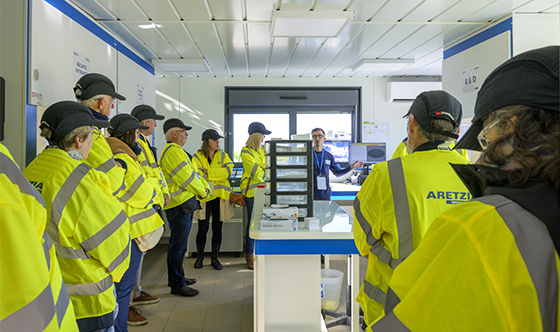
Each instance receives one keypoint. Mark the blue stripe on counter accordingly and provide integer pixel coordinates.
(305, 247)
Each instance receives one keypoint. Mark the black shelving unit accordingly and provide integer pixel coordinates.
(285, 157)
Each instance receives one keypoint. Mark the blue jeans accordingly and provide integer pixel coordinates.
(180, 227)
(249, 243)
(124, 287)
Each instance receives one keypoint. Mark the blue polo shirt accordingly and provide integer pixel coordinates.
(322, 168)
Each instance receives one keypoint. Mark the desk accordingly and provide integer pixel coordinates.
(287, 274)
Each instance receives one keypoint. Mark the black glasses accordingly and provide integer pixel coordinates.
(317, 136)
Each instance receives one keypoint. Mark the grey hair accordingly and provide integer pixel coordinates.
(68, 141)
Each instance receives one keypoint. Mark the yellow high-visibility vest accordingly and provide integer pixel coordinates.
(151, 169)
(254, 164)
(89, 228)
(34, 297)
(393, 210)
(219, 173)
(182, 179)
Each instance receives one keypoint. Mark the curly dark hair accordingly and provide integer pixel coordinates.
(534, 141)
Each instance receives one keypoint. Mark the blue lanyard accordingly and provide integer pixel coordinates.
(320, 166)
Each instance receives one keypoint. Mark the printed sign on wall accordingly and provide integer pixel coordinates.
(81, 65)
(471, 81)
(139, 94)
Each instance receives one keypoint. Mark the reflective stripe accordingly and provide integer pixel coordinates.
(145, 162)
(34, 316)
(142, 215)
(246, 151)
(154, 194)
(254, 171)
(253, 186)
(537, 249)
(189, 180)
(123, 185)
(177, 169)
(391, 323)
(107, 166)
(62, 303)
(104, 233)
(58, 205)
(163, 154)
(132, 190)
(197, 157)
(385, 256)
(153, 165)
(391, 301)
(94, 288)
(177, 193)
(375, 293)
(12, 171)
(47, 245)
(219, 186)
(402, 210)
(120, 258)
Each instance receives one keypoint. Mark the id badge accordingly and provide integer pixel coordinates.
(321, 183)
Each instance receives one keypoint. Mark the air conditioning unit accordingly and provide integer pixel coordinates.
(408, 91)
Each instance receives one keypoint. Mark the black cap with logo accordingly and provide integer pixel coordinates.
(146, 112)
(257, 127)
(174, 123)
(121, 123)
(211, 134)
(64, 116)
(431, 105)
(91, 85)
(530, 78)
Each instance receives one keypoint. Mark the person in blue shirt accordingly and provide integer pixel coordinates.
(323, 162)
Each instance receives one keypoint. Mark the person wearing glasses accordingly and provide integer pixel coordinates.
(323, 162)
(138, 198)
(492, 264)
(186, 188)
(97, 92)
(87, 224)
(402, 196)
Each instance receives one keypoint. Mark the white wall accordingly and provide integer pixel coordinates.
(532, 31)
(199, 102)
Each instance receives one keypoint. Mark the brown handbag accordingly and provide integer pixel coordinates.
(237, 199)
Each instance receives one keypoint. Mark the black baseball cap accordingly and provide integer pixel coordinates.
(530, 78)
(121, 123)
(64, 116)
(146, 112)
(91, 85)
(431, 105)
(173, 123)
(257, 127)
(211, 134)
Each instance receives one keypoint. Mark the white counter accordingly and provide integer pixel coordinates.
(287, 275)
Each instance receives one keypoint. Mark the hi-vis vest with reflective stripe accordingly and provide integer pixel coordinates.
(393, 210)
(33, 295)
(100, 157)
(151, 169)
(182, 179)
(403, 150)
(89, 229)
(254, 164)
(485, 265)
(219, 173)
(137, 199)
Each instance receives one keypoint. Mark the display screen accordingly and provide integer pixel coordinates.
(339, 150)
(369, 153)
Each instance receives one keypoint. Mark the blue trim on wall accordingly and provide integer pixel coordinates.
(30, 133)
(479, 38)
(89, 25)
(305, 247)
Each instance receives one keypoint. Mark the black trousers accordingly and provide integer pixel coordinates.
(212, 209)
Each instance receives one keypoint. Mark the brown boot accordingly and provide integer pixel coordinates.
(249, 259)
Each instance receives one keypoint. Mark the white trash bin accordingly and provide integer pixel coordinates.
(331, 285)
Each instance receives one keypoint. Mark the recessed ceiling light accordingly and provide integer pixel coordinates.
(150, 26)
(181, 65)
(372, 65)
(299, 21)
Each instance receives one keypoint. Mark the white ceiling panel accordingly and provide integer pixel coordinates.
(259, 48)
(226, 10)
(233, 43)
(429, 10)
(124, 10)
(205, 37)
(234, 35)
(191, 10)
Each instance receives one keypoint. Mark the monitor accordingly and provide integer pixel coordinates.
(369, 153)
(339, 150)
